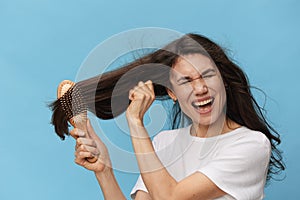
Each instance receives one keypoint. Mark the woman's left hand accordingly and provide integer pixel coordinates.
(141, 96)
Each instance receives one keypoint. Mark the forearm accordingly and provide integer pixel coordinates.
(109, 185)
(159, 182)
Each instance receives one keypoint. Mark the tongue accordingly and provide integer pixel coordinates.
(205, 108)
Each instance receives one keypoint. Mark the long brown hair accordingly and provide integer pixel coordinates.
(100, 92)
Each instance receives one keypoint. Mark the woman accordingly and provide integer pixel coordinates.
(227, 152)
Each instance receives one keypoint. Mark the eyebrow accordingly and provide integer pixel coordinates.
(207, 71)
(203, 73)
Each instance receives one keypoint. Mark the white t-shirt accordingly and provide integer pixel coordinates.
(237, 161)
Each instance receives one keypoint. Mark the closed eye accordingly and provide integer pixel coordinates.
(184, 80)
(209, 73)
(206, 74)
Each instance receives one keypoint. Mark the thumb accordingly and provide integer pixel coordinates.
(91, 131)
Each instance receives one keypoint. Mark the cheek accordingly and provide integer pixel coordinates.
(216, 84)
(222, 95)
(182, 98)
(217, 87)
(182, 94)
(223, 99)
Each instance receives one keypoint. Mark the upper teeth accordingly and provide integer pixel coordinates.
(202, 103)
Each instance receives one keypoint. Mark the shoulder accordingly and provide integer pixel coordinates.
(240, 164)
(249, 137)
(167, 137)
(248, 142)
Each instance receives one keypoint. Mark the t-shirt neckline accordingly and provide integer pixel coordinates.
(224, 135)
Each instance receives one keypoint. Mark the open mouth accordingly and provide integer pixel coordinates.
(203, 104)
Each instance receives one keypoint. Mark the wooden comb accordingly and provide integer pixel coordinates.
(77, 119)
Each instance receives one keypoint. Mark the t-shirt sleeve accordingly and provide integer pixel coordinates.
(138, 186)
(240, 168)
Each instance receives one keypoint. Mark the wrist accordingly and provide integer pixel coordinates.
(132, 121)
(104, 174)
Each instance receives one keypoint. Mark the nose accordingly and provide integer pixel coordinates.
(199, 86)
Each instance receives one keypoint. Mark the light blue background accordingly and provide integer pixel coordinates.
(43, 42)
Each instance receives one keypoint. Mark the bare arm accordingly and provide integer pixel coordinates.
(86, 148)
(141, 195)
(109, 185)
(160, 184)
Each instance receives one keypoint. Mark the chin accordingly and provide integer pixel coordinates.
(206, 120)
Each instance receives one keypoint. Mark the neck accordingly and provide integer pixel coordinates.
(221, 126)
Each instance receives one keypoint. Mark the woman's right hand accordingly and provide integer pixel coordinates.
(90, 147)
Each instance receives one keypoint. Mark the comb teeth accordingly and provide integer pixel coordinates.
(72, 103)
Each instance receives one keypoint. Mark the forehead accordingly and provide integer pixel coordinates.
(193, 64)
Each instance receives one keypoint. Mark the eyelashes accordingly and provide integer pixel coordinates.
(186, 80)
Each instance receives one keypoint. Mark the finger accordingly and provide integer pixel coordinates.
(80, 161)
(85, 148)
(142, 91)
(141, 84)
(85, 154)
(86, 141)
(72, 133)
(92, 152)
(142, 88)
(131, 94)
(92, 132)
(148, 82)
(149, 85)
(146, 91)
(75, 133)
(134, 92)
(80, 157)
